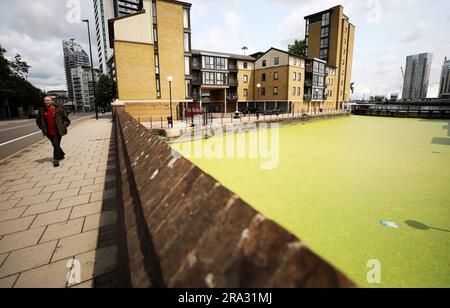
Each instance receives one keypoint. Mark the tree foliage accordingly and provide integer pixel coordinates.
(298, 48)
(15, 90)
(105, 91)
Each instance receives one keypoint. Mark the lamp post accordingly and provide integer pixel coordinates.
(170, 80)
(92, 66)
(256, 105)
(317, 98)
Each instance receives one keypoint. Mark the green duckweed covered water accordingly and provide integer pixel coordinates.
(337, 179)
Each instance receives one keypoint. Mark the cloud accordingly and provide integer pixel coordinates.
(35, 29)
(227, 30)
(418, 32)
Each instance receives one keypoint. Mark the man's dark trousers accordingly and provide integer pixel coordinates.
(58, 153)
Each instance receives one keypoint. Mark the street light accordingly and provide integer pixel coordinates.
(92, 65)
(259, 87)
(170, 80)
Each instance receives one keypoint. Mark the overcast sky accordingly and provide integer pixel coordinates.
(386, 32)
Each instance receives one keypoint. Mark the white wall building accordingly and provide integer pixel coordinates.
(83, 88)
(103, 10)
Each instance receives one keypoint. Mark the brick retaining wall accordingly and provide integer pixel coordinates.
(182, 228)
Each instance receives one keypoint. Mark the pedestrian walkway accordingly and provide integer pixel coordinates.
(60, 221)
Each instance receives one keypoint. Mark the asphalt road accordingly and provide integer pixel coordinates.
(17, 135)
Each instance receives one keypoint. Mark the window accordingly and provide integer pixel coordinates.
(245, 65)
(186, 18)
(264, 63)
(263, 77)
(293, 91)
(155, 35)
(275, 76)
(154, 12)
(208, 78)
(263, 91)
(157, 63)
(187, 42)
(315, 80)
(299, 76)
(245, 78)
(324, 54)
(275, 90)
(245, 92)
(187, 66)
(321, 81)
(220, 79)
(158, 88)
(324, 43)
(221, 64)
(326, 19)
(316, 67)
(188, 88)
(298, 91)
(276, 61)
(208, 62)
(322, 68)
(295, 76)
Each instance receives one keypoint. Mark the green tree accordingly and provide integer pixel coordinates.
(19, 67)
(298, 48)
(15, 91)
(105, 91)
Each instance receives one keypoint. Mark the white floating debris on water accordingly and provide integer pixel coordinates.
(389, 224)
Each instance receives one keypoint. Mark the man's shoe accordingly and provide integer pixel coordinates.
(56, 163)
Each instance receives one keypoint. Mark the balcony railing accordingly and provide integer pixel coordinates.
(308, 83)
(307, 97)
(233, 83)
(196, 97)
(309, 68)
(232, 98)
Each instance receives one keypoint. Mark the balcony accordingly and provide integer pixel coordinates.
(233, 68)
(232, 98)
(309, 68)
(307, 97)
(196, 97)
(308, 83)
(196, 66)
(197, 81)
(233, 83)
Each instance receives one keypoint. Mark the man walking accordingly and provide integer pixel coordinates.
(53, 122)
